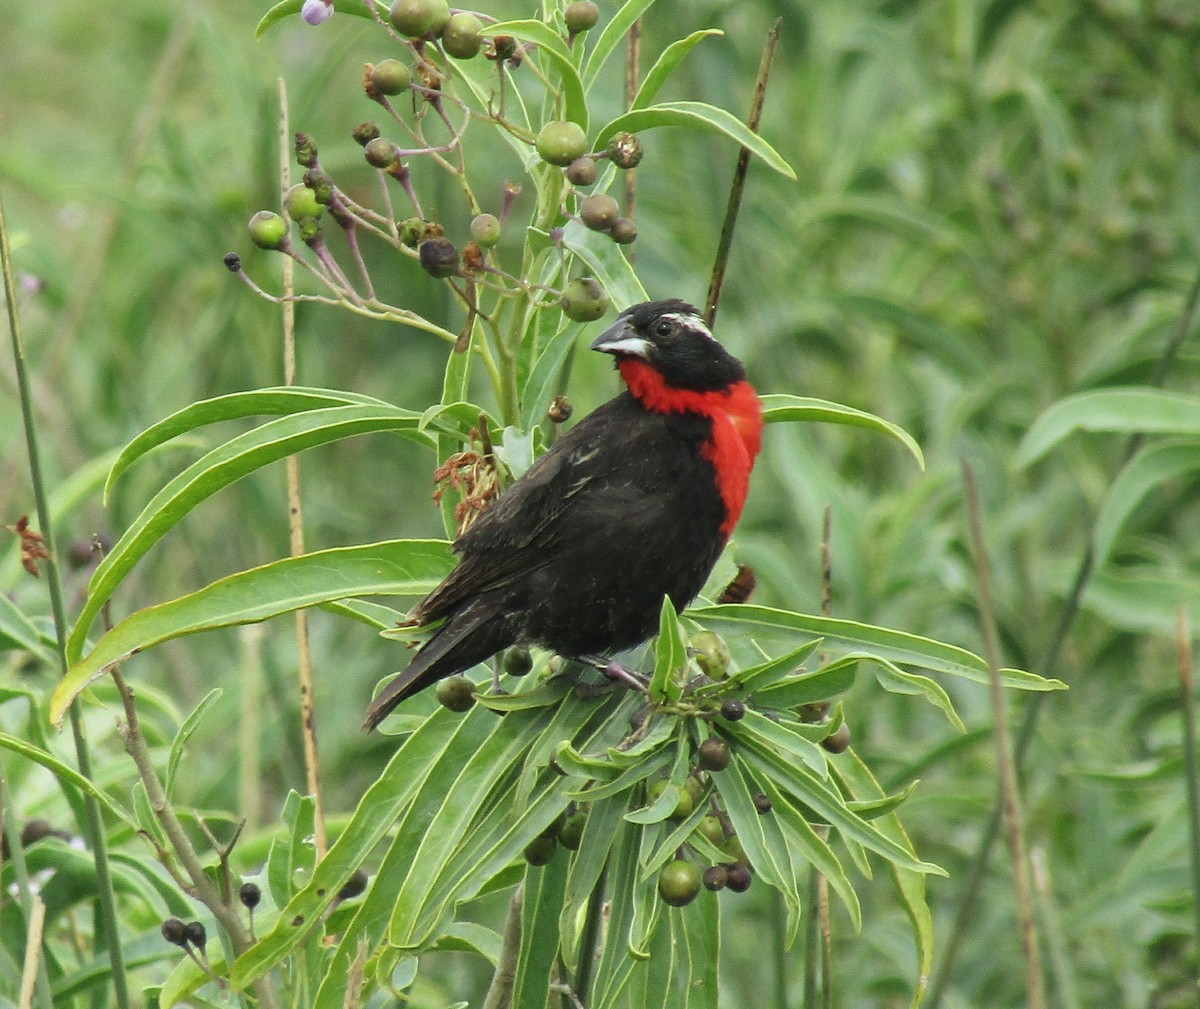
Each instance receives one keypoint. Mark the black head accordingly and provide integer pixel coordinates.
(672, 338)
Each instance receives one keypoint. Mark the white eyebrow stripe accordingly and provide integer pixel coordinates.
(689, 322)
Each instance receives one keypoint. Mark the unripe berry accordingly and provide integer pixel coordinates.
(412, 17)
(714, 754)
(364, 133)
(441, 15)
(570, 831)
(301, 204)
(711, 830)
(584, 300)
(679, 883)
(738, 877)
(485, 229)
(461, 38)
(518, 661)
(267, 230)
(599, 211)
(390, 77)
(412, 230)
(624, 150)
(560, 142)
(581, 172)
(683, 805)
(711, 653)
(540, 850)
(456, 693)
(839, 740)
(623, 231)
(581, 15)
(380, 153)
(715, 877)
(439, 257)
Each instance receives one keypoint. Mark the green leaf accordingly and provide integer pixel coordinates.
(541, 902)
(892, 677)
(893, 646)
(391, 568)
(288, 8)
(1125, 410)
(808, 688)
(665, 65)
(1152, 467)
(670, 656)
(759, 677)
(697, 115)
(280, 400)
(610, 37)
(185, 733)
(551, 45)
(606, 263)
(225, 464)
(18, 631)
(66, 774)
(779, 408)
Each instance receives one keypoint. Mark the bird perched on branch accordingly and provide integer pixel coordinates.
(634, 503)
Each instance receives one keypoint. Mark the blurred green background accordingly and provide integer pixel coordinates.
(998, 205)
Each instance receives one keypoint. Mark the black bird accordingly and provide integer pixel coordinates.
(634, 503)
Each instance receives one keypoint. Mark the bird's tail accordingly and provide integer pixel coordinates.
(466, 638)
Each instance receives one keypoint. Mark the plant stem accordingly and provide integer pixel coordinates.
(499, 995)
(1187, 698)
(725, 243)
(1013, 818)
(587, 942)
(27, 899)
(304, 667)
(95, 825)
(1066, 619)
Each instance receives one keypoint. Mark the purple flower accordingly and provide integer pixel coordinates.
(317, 12)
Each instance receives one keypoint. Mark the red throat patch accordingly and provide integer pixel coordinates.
(736, 415)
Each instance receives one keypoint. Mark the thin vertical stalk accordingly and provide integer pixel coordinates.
(1013, 819)
(94, 826)
(26, 898)
(633, 74)
(725, 242)
(499, 994)
(304, 667)
(1066, 620)
(1187, 698)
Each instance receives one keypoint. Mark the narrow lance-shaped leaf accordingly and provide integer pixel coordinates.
(670, 656)
(779, 409)
(610, 37)
(224, 465)
(697, 115)
(1136, 410)
(396, 567)
(665, 65)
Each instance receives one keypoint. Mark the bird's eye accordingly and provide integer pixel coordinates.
(664, 328)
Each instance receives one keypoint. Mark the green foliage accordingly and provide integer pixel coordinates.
(989, 243)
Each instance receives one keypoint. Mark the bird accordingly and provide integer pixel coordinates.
(634, 503)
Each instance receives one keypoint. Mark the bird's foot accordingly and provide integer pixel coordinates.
(617, 673)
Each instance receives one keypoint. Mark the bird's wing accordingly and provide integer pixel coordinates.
(594, 480)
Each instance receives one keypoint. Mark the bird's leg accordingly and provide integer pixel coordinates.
(617, 672)
(496, 675)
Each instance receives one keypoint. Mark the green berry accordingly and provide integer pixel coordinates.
(461, 38)
(380, 153)
(623, 231)
(711, 653)
(570, 831)
(412, 18)
(584, 300)
(364, 133)
(599, 211)
(683, 805)
(714, 754)
(412, 230)
(441, 15)
(581, 16)
(711, 830)
(560, 142)
(439, 257)
(267, 230)
(485, 229)
(581, 172)
(301, 204)
(540, 850)
(456, 693)
(679, 883)
(390, 77)
(518, 661)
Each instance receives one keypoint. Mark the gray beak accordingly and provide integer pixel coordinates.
(621, 338)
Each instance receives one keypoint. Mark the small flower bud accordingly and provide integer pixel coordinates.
(364, 133)
(317, 12)
(321, 186)
(439, 257)
(306, 150)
